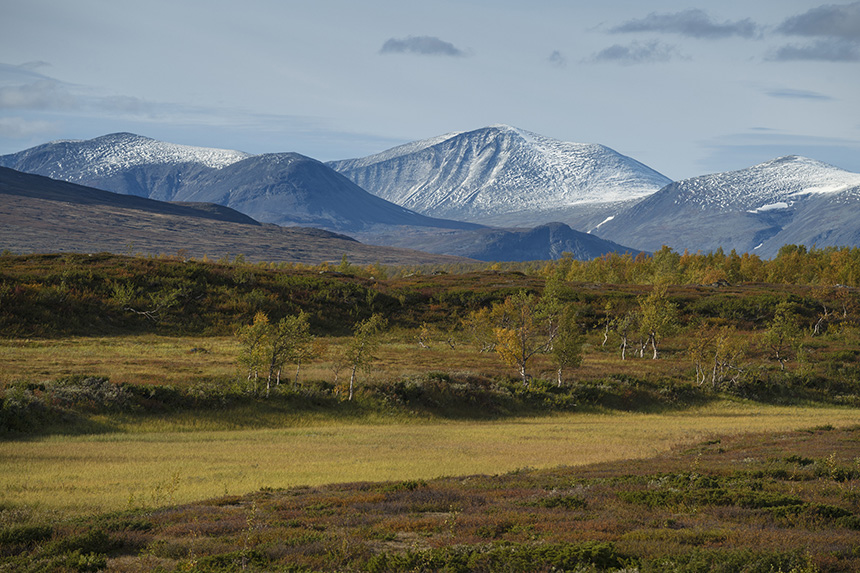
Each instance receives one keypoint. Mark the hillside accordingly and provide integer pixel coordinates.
(38, 214)
(543, 242)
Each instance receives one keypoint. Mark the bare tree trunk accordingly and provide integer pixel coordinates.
(352, 381)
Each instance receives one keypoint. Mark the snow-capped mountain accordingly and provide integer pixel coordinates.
(788, 200)
(123, 163)
(504, 175)
(281, 188)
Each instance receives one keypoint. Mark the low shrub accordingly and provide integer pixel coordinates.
(511, 558)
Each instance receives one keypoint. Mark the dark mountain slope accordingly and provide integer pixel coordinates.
(41, 215)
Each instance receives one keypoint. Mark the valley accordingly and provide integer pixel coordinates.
(216, 361)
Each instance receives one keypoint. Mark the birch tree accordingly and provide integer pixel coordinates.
(365, 341)
(783, 334)
(567, 345)
(657, 317)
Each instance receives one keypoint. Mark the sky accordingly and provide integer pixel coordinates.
(687, 88)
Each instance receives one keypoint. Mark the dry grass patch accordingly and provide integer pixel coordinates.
(133, 359)
(78, 474)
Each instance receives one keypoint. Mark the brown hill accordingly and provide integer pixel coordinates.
(39, 214)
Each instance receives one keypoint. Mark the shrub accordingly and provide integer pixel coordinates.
(25, 534)
(511, 558)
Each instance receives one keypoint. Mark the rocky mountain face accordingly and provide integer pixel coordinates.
(789, 200)
(281, 188)
(505, 176)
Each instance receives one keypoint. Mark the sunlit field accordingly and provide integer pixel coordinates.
(82, 474)
(186, 360)
(138, 359)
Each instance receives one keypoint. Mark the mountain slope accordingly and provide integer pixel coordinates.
(284, 188)
(544, 242)
(291, 189)
(501, 174)
(786, 200)
(39, 214)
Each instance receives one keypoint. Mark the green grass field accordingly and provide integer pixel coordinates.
(147, 466)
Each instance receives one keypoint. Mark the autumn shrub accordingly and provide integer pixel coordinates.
(729, 561)
(509, 557)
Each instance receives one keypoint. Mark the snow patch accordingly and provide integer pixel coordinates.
(606, 220)
(825, 189)
(771, 207)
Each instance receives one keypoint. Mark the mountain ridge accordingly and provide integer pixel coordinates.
(264, 187)
(501, 170)
(42, 215)
(786, 200)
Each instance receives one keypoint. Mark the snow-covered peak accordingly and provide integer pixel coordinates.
(498, 170)
(122, 150)
(760, 187)
(79, 160)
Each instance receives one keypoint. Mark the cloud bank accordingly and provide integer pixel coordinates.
(693, 23)
(836, 27)
(557, 59)
(822, 51)
(421, 45)
(636, 53)
(798, 94)
(832, 21)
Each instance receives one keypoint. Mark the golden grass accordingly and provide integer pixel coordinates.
(82, 474)
(154, 359)
(138, 359)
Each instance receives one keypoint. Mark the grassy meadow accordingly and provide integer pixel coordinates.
(131, 438)
(148, 466)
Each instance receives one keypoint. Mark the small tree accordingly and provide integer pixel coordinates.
(623, 326)
(717, 353)
(657, 317)
(479, 328)
(567, 345)
(267, 346)
(524, 328)
(252, 338)
(365, 341)
(783, 335)
(303, 345)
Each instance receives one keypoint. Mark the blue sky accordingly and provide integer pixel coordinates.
(686, 88)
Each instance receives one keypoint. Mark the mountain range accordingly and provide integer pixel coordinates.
(286, 189)
(535, 190)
